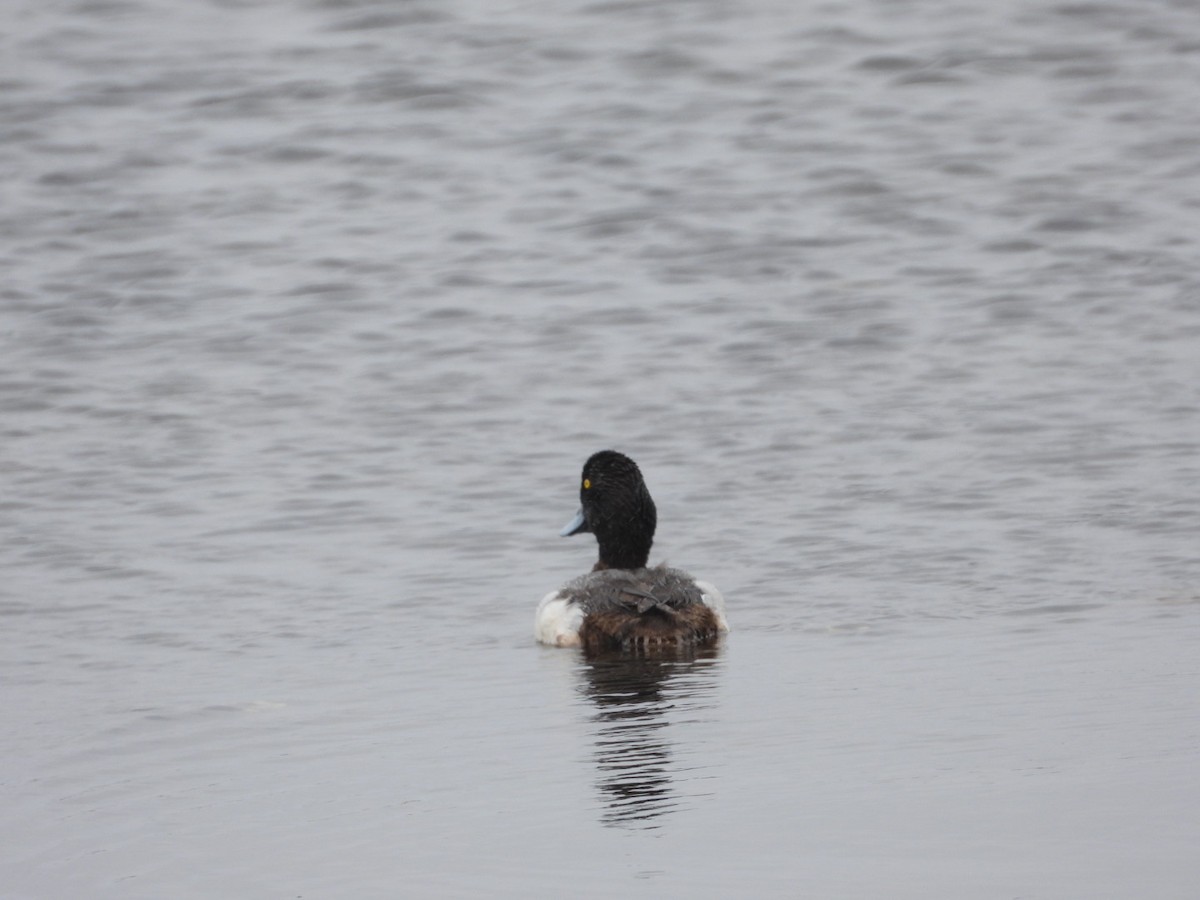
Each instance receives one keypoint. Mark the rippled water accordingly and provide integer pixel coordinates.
(312, 312)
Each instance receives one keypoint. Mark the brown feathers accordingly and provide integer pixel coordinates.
(659, 626)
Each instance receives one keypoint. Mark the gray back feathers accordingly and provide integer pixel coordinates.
(636, 590)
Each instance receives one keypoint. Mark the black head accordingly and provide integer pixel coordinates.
(617, 508)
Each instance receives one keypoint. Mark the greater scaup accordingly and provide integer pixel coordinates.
(622, 604)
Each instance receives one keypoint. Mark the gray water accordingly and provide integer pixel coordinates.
(311, 313)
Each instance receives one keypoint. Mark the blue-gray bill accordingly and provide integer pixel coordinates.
(576, 525)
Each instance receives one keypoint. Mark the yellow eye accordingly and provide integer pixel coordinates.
(586, 484)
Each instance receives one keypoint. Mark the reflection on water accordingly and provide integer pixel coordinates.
(639, 701)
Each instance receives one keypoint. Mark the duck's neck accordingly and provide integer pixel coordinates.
(626, 548)
(624, 528)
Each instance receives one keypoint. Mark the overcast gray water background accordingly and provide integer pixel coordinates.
(312, 311)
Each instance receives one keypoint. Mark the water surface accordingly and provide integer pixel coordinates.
(311, 312)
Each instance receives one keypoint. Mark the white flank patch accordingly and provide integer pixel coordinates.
(713, 600)
(557, 621)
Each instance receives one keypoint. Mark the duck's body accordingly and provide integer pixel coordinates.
(619, 609)
(622, 604)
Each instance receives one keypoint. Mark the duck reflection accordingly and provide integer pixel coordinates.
(637, 700)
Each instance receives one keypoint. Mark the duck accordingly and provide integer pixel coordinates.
(623, 604)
